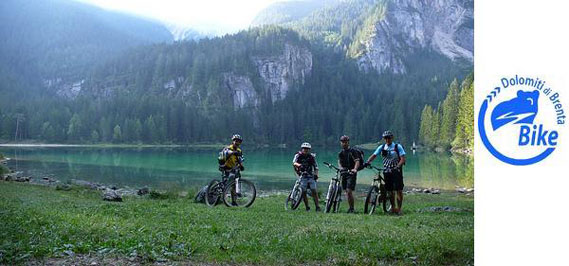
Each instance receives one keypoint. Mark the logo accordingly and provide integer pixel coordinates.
(519, 121)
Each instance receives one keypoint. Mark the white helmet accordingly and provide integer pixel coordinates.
(306, 145)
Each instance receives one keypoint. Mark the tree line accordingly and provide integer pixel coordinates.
(450, 126)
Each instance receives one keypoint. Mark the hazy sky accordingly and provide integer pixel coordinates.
(205, 15)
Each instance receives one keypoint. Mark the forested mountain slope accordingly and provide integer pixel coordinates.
(273, 84)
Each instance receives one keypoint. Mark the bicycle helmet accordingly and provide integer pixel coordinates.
(387, 134)
(306, 145)
(344, 138)
(236, 137)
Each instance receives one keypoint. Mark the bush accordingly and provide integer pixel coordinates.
(162, 195)
(3, 170)
(64, 187)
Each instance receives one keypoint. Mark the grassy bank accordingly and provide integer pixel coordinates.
(41, 222)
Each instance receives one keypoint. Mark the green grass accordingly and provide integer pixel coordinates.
(41, 222)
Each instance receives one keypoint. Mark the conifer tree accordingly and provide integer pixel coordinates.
(449, 115)
(117, 134)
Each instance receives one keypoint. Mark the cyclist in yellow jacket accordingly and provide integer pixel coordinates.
(232, 156)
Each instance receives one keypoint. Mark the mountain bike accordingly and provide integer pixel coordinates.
(377, 194)
(296, 194)
(233, 190)
(334, 195)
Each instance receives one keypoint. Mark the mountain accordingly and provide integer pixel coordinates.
(55, 40)
(283, 12)
(268, 83)
(386, 35)
(245, 69)
(413, 26)
(183, 33)
(301, 80)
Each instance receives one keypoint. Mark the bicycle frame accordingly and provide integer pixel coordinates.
(334, 189)
(235, 173)
(293, 196)
(225, 188)
(378, 179)
(380, 195)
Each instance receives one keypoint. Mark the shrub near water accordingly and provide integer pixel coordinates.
(78, 221)
(3, 169)
(162, 195)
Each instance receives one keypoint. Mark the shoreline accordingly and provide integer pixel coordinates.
(365, 146)
(50, 180)
(54, 145)
(127, 190)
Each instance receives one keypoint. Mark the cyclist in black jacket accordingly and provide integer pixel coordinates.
(349, 159)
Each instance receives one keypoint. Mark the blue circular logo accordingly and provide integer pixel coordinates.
(519, 120)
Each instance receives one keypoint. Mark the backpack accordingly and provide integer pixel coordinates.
(200, 196)
(222, 158)
(359, 155)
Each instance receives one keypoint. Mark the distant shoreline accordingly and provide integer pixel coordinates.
(24, 145)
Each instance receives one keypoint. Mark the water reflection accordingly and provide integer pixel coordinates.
(445, 171)
(270, 168)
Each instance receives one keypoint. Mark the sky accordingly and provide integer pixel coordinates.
(218, 16)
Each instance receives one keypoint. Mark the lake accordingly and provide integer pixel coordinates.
(185, 167)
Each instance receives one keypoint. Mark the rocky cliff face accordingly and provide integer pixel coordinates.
(281, 72)
(242, 90)
(442, 26)
(64, 89)
(278, 73)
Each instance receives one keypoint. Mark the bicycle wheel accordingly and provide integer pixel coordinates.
(212, 193)
(330, 199)
(288, 203)
(240, 194)
(371, 200)
(337, 199)
(296, 197)
(385, 198)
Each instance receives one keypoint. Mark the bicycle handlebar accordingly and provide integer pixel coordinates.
(332, 166)
(376, 168)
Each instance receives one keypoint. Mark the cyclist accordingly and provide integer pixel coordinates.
(305, 162)
(230, 157)
(348, 159)
(393, 159)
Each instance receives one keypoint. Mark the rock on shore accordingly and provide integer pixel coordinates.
(112, 195)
